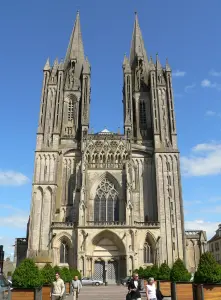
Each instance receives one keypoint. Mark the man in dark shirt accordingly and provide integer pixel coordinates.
(134, 287)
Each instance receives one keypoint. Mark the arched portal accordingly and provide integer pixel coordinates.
(109, 263)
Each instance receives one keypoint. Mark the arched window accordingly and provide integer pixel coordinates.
(64, 253)
(71, 110)
(106, 203)
(143, 118)
(148, 253)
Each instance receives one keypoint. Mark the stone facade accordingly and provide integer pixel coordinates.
(196, 245)
(214, 245)
(107, 203)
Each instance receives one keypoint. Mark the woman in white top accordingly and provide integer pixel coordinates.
(151, 289)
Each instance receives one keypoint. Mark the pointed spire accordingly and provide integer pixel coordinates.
(47, 65)
(55, 66)
(86, 67)
(151, 64)
(75, 47)
(158, 64)
(168, 68)
(61, 65)
(126, 65)
(137, 44)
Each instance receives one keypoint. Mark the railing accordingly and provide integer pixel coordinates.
(147, 224)
(63, 224)
(106, 224)
(105, 165)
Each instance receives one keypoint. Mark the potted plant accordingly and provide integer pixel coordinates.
(208, 277)
(163, 277)
(27, 281)
(75, 272)
(180, 278)
(66, 276)
(48, 276)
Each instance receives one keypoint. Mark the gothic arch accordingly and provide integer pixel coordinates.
(109, 234)
(36, 214)
(149, 247)
(63, 236)
(99, 179)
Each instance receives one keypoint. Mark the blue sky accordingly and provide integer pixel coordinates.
(187, 32)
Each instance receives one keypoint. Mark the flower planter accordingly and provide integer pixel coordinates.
(182, 291)
(67, 287)
(208, 291)
(165, 287)
(27, 294)
(46, 290)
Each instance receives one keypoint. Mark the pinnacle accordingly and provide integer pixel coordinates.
(168, 68)
(86, 66)
(158, 64)
(47, 65)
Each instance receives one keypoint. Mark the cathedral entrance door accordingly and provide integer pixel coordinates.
(112, 271)
(99, 270)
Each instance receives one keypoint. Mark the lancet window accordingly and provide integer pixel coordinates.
(106, 203)
(143, 118)
(64, 253)
(71, 110)
(148, 253)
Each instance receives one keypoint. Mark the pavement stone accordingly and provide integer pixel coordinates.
(109, 292)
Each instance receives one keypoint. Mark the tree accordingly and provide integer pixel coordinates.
(48, 274)
(154, 271)
(147, 272)
(57, 269)
(27, 275)
(179, 272)
(164, 272)
(65, 274)
(75, 272)
(209, 271)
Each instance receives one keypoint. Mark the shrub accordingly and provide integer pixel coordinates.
(48, 274)
(164, 272)
(75, 272)
(65, 274)
(154, 271)
(57, 269)
(147, 272)
(27, 275)
(209, 271)
(179, 272)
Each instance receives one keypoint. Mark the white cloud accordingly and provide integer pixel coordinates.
(204, 160)
(19, 221)
(179, 73)
(189, 87)
(206, 83)
(211, 113)
(209, 227)
(214, 73)
(12, 178)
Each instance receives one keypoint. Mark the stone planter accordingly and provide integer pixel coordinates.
(68, 287)
(27, 294)
(46, 290)
(208, 291)
(182, 291)
(165, 287)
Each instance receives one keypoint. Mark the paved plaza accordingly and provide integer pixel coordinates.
(104, 293)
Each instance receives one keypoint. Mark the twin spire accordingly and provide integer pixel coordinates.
(76, 49)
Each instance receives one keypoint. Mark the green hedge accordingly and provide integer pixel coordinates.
(179, 272)
(27, 275)
(48, 274)
(209, 271)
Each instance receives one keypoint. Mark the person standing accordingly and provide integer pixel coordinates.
(76, 287)
(58, 288)
(151, 289)
(134, 287)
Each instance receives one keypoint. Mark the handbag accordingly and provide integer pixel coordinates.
(128, 296)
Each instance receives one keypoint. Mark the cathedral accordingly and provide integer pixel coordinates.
(107, 203)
